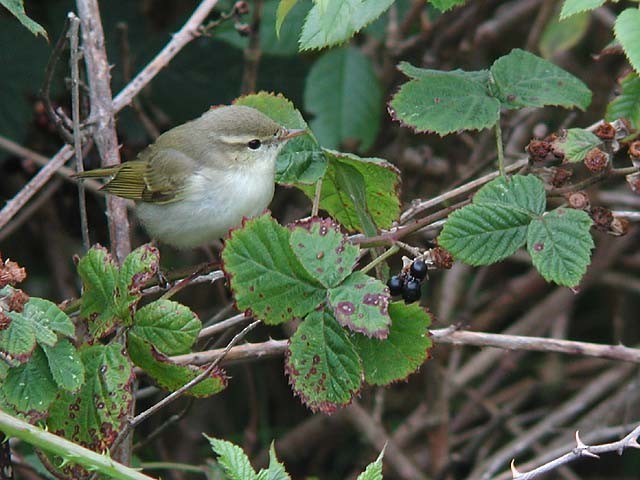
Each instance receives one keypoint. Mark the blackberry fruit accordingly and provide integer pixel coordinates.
(419, 269)
(395, 284)
(411, 290)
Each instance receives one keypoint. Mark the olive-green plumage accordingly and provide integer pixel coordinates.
(201, 178)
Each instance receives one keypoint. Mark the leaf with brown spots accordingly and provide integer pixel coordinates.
(322, 364)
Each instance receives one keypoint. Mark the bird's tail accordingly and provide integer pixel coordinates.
(98, 172)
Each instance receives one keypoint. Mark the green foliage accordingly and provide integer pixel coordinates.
(445, 102)
(373, 470)
(402, 352)
(561, 35)
(64, 363)
(575, 143)
(322, 364)
(109, 292)
(16, 7)
(627, 30)
(444, 5)
(627, 104)
(284, 7)
(335, 21)
(505, 214)
(169, 374)
(571, 7)
(344, 94)
(560, 245)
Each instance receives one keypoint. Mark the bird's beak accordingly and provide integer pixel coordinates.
(288, 134)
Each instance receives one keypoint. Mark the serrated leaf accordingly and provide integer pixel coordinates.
(561, 35)
(338, 21)
(265, 274)
(301, 160)
(95, 415)
(323, 250)
(16, 7)
(560, 245)
(571, 7)
(627, 104)
(495, 225)
(353, 185)
(521, 79)
(402, 352)
(627, 30)
(479, 76)
(171, 327)
(276, 470)
(170, 375)
(444, 102)
(374, 469)
(322, 364)
(64, 363)
(343, 93)
(575, 143)
(233, 460)
(361, 303)
(284, 7)
(29, 388)
(138, 267)
(18, 340)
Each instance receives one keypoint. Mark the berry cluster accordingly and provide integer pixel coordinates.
(408, 283)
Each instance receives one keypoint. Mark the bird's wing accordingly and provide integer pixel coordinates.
(157, 176)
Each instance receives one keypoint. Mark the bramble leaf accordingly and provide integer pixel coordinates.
(335, 21)
(561, 35)
(373, 470)
(276, 470)
(171, 327)
(402, 352)
(169, 374)
(627, 104)
(343, 93)
(495, 225)
(233, 460)
(571, 7)
(64, 363)
(522, 79)
(361, 303)
(323, 250)
(284, 7)
(627, 30)
(444, 102)
(560, 245)
(322, 364)
(16, 7)
(265, 274)
(575, 143)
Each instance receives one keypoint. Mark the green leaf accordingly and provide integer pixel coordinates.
(284, 7)
(560, 245)
(171, 327)
(521, 79)
(169, 374)
(265, 274)
(29, 388)
(338, 20)
(322, 364)
(374, 469)
(139, 266)
(627, 104)
(627, 30)
(495, 225)
(571, 7)
(343, 93)
(355, 187)
(361, 304)
(444, 102)
(561, 35)
(301, 160)
(16, 7)
(575, 143)
(403, 352)
(276, 470)
(64, 363)
(18, 340)
(323, 250)
(233, 460)
(95, 415)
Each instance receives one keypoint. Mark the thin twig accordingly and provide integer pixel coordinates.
(252, 53)
(316, 198)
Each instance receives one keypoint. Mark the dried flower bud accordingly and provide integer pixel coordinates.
(243, 29)
(602, 218)
(241, 8)
(11, 273)
(619, 226)
(596, 160)
(605, 131)
(560, 176)
(4, 321)
(16, 300)
(634, 152)
(578, 200)
(441, 258)
(633, 179)
(540, 151)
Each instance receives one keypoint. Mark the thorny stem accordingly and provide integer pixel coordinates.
(498, 129)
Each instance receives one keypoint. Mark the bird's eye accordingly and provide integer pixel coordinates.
(254, 144)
